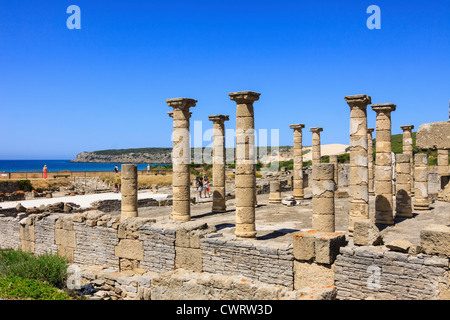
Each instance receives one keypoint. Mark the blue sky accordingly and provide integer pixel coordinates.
(104, 86)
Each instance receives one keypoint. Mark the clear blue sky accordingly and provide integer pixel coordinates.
(66, 91)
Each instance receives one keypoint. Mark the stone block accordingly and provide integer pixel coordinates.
(434, 136)
(366, 233)
(308, 274)
(129, 249)
(303, 246)
(400, 245)
(435, 239)
(327, 245)
(65, 238)
(188, 258)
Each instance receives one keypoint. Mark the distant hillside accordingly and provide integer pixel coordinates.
(139, 155)
(164, 155)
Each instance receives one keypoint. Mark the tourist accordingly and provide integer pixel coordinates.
(148, 168)
(45, 171)
(199, 187)
(116, 188)
(116, 169)
(206, 186)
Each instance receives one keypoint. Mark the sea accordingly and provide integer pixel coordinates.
(61, 165)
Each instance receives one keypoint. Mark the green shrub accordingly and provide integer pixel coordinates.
(24, 185)
(13, 287)
(46, 267)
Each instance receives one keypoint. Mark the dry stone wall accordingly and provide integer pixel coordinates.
(137, 258)
(376, 273)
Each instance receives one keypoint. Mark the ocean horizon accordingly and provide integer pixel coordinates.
(61, 165)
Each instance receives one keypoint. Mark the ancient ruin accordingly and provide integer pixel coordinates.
(323, 197)
(219, 163)
(316, 154)
(129, 200)
(421, 201)
(403, 194)
(181, 157)
(359, 170)
(408, 149)
(245, 163)
(298, 161)
(302, 243)
(370, 158)
(383, 169)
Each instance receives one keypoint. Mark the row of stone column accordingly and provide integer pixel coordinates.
(245, 161)
(365, 178)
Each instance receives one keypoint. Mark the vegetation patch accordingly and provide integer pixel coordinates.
(25, 276)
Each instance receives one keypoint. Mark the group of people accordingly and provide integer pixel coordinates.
(203, 186)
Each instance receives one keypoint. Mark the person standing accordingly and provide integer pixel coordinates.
(116, 169)
(45, 170)
(199, 188)
(148, 168)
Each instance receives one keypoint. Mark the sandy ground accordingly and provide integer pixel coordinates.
(327, 150)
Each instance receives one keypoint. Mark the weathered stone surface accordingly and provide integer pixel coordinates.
(400, 245)
(303, 246)
(366, 233)
(435, 239)
(434, 136)
(130, 249)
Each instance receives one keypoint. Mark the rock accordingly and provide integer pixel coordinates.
(20, 208)
(366, 233)
(289, 201)
(435, 239)
(55, 207)
(318, 292)
(34, 210)
(399, 245)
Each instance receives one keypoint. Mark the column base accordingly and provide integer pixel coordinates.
(178, 217)
(421, 207)
(385, 221)
(219, 209)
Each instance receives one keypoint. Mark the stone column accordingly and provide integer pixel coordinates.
(334, 161)
(383, 167)
(323, 219)
(129, 206)
(370, 157)
(421, 182)
(275, 192)
(298, 161)
(408, 149)
(359, 163)
(181, 158)
(219, 163)
(245, 179)
(403, 205)
(316, 144)
(442, 160)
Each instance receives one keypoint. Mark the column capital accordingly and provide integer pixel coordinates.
(370, 130)
(316, 129)
(181, 103)
(407, 127)
(218, 118)
(297, 126)
(384, 107)
(360, 100)
(244, 96)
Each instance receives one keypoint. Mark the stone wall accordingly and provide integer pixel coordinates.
(267, 264)
(137, 258)
(376, 273)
